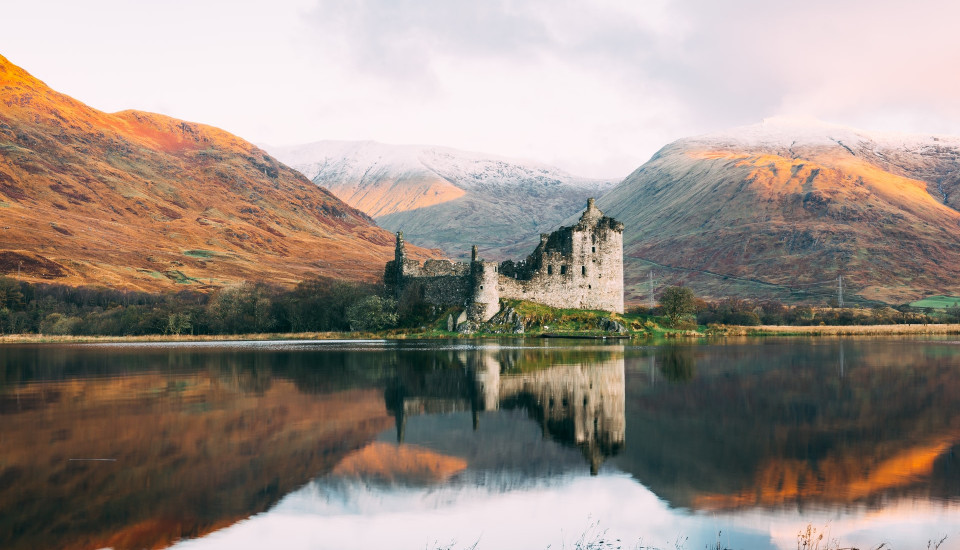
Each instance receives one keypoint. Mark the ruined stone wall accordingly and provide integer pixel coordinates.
(574, 267)
(435, 268)
(448, 291)
(441, 282)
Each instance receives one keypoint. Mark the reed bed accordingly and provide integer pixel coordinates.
(55, 339)
(845, 330)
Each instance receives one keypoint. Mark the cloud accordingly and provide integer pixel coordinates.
(617, 79)
(595, 87)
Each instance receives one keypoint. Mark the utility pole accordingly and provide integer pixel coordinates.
(652, 305)
(840, 290)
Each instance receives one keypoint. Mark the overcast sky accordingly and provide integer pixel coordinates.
(595, 87)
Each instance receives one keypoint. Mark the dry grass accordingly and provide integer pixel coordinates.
(849, 330)
(52, 339)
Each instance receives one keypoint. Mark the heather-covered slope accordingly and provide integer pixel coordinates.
(143, 201)
(446, 198)
(782, 208)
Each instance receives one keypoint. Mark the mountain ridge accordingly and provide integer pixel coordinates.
(446, 198)
(731, 212)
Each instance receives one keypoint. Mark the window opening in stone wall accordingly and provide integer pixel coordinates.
(593, 249)
(549, 270)
(583, 270)
(481, 287)
(563, 270)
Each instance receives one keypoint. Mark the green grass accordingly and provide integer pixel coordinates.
(200, 253)
(540, 319)
(937, 302)
(152, 273)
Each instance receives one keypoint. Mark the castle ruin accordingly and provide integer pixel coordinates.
(580, 266)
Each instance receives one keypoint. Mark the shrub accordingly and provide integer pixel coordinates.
(372, 313)
(59, 324)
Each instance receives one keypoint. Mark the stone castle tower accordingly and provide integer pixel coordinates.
(580, 266)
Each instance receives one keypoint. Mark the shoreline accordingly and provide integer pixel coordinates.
(711, 333)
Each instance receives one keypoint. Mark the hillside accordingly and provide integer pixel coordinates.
(143, 201)
(445, 198)
(782, 208)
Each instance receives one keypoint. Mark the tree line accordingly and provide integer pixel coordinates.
(684, 310)
(327, 305)
(315, 305)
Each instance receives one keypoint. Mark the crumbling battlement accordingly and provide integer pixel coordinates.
(580, 266)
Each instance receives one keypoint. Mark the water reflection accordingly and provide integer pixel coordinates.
(446, 439)
(761, 425)
(677, 363)
(580, 402)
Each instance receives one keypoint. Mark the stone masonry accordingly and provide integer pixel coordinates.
(579, 266)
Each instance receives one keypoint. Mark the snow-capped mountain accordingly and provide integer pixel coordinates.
(786, 132)
(934, 159)
(446, 198)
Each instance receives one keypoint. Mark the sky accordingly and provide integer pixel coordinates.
(594, 87)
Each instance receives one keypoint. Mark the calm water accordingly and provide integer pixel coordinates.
(517, 444)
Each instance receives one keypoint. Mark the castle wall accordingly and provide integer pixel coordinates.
(443, 283)
(448, 291)
(580, 267)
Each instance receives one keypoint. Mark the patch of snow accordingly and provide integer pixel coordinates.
(358, 162)
(787, 132)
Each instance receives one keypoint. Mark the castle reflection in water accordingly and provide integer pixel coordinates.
(577, 401)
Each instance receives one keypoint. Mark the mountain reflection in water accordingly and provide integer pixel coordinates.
(517, 443)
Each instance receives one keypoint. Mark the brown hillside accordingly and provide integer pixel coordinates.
(143, 201)
(783, 213)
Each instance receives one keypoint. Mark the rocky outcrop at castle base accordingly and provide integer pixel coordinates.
(575, 267)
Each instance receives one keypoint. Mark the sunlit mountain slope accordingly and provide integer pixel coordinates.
(143, 201)
(783, 208)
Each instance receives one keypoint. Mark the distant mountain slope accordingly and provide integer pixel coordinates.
(140, 200)
(446, 198)
(782, 208)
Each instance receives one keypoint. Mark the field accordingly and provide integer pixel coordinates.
(937, 302)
